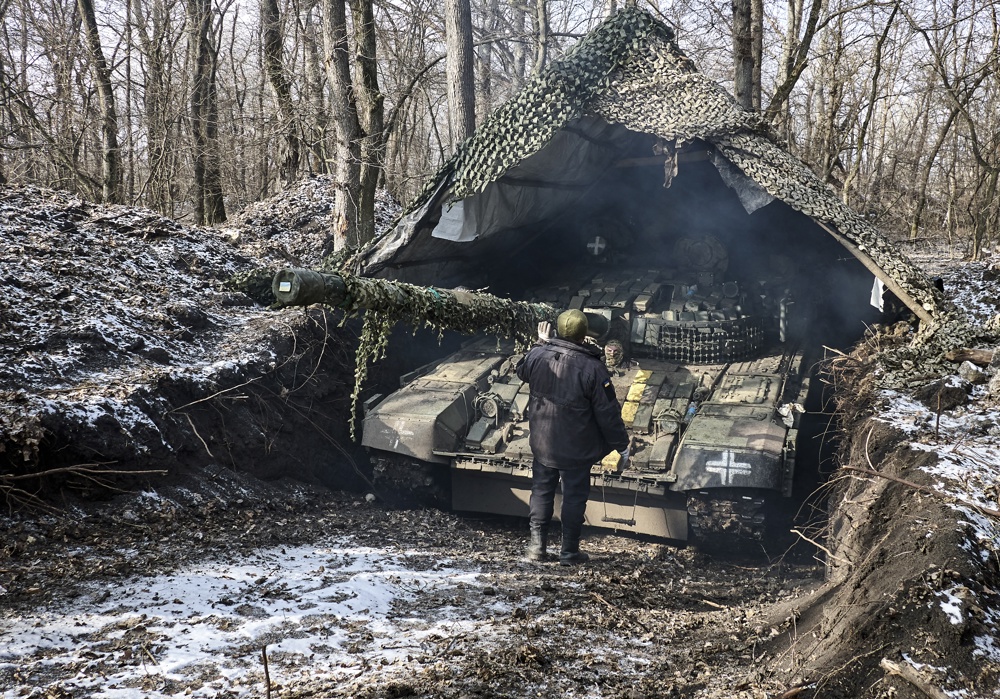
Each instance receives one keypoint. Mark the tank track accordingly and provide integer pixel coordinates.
(723, 519)
(404, 480)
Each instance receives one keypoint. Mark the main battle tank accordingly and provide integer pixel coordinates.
(707, 369)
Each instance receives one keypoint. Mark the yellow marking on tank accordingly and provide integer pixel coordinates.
(642, 375)
(635, 391)
(628, 412)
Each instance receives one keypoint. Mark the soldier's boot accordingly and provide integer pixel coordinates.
(571, 553)
(538, 545)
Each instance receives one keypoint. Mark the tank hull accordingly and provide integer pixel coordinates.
(700, 434)
(643, 509)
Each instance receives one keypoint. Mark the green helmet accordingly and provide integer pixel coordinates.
(572, 325)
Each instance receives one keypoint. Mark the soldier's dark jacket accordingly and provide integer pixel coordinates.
(573, 415)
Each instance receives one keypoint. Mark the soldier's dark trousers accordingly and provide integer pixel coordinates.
(575, 491)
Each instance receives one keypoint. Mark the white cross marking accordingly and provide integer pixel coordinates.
(596, 246)
(728, 467)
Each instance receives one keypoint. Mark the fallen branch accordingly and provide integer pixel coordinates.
(924, 489)
(214, 395)
(267, 673)
(980, 357)
(78, 469)
(196, 434)
(909, 673)
(794, 692)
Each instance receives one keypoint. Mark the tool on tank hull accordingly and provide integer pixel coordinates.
(711, 386)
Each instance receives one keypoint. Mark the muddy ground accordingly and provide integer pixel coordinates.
(184, 427)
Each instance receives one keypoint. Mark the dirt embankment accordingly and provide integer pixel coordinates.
(913, 565)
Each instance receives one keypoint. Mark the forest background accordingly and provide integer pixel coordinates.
(197, 108)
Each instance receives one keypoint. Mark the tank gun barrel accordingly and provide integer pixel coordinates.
(454, 309)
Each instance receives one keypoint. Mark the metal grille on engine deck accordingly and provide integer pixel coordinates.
(698, 342)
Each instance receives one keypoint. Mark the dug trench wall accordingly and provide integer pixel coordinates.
(912, 571)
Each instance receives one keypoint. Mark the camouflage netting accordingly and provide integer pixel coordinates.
(630, 71)
(444, 309)
(471, 313)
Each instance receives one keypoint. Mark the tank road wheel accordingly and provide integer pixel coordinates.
(405, 481)
(725, 521)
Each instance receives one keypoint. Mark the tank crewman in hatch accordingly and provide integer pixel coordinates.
(574, 420)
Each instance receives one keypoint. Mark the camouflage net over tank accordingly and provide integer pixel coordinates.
(562, 92)
(630, 71)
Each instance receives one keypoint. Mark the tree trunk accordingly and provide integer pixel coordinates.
(111, 176)
(371, 116)
(518, 24)
(925, 172)
(461, 88)
(797, 58)
(209, 205)
(869, 110)
(540, 21)
(317, 119)
(152, 28)
(344, 113)
(484, 83)
(985, 216)
(757, 47)
(743, 54)
(274, 68)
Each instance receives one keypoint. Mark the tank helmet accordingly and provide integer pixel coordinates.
(572, 325)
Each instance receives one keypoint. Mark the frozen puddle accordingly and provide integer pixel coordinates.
(339, 611)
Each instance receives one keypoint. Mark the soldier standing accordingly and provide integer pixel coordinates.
(575, 420)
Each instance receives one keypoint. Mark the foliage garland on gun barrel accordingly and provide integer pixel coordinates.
(389, 302)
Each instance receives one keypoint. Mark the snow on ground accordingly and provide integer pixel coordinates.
(334, 608)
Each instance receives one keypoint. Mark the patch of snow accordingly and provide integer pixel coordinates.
(336, 608)
(951, 605)
(988, 645)
(967, 473)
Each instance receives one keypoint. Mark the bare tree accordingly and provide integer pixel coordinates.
(347, 128)
(274, 67)
(873, 95)
(540, 23)
(461, 91)
(795, 53)
(111, 179)
(743, 58)
(314, 116)
(370, 107)
(203, 51)
(968, 72)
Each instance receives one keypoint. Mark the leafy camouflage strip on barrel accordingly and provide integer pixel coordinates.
(466, 312)
(389, 302)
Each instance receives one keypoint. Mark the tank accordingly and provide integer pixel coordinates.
(708, 369)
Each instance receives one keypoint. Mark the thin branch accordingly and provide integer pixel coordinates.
(80, 469)
(822, 548)
(908, 673)
(990, 512)
(196, 434)
(214, 395)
